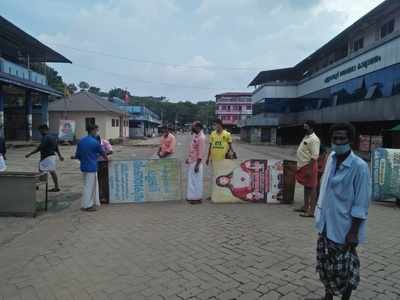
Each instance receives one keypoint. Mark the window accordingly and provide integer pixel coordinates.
(228, 107)
(248, 107)
(387, 28)
(113, 122)
(374, 92)
(358, 44)
(90, 121)
(116, 122)
(396, 87)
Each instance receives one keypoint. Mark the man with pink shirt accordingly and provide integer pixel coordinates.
(195, 165)
(167, 143)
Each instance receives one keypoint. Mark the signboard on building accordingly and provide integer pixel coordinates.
(138, 181)
(66, 130)
(385, 174)
(248, 181)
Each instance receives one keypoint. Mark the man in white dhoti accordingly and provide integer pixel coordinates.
(48, 161)
(195, 165)
(87, 152)
(3, 151)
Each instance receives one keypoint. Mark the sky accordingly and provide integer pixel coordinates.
(186, 50)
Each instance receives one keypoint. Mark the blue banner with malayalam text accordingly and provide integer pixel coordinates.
(385, 167)
(149, 180)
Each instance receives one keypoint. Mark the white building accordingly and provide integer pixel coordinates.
(355, 78)
(87, 108)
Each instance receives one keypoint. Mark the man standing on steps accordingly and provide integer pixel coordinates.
(307, 163)
(48, 161)
(341, 215)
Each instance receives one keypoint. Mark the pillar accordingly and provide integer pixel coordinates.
(45, 109)
(28, 114)
(2, 99)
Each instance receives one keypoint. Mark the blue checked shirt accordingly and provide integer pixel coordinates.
(345, 193)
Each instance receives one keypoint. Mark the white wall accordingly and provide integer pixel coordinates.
(275, 91)
(389, 53)
(103, 120)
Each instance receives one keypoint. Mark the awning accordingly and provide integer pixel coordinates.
(14, 41)
(395, 129)
(27, 84)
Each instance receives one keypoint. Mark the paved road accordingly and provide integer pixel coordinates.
(178, 251)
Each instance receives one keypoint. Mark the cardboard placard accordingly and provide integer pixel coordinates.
(236, 181)
(150, 180)
(385, 174)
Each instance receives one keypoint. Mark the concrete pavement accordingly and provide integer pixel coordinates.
(178, 251)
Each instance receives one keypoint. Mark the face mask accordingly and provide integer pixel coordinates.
(341, 149)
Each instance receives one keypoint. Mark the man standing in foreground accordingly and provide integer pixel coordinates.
(87, 152)
(220, 143)
(307, 173)
(195, 165)
(48, 161)
(341, 214)
(167, 143)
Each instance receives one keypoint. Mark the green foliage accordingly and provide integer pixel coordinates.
(94, 90)
(118, 92)
(53, 78)
(72, 88)
(83, 85)
(179, 113)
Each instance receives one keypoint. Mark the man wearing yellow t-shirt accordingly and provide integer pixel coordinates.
(220, 143)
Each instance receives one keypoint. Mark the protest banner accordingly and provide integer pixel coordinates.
(253, 180)
(66, 130)
(385, 174)
(149, 180)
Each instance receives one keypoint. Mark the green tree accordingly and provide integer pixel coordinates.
(119, 93)
(54, 80)
(95, 90)
(83, 85)
(72, 88)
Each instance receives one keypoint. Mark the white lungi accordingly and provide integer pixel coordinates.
(195, 183)
(90, 195)
(3, 165)
(49, 164)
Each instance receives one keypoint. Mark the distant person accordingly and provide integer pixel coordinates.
(87, 152)
(167, 143)
(195, 165)
(307, 163)
(341, 215)
(220, 143)
(102, 170)
(48, 149)
(3, 151)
